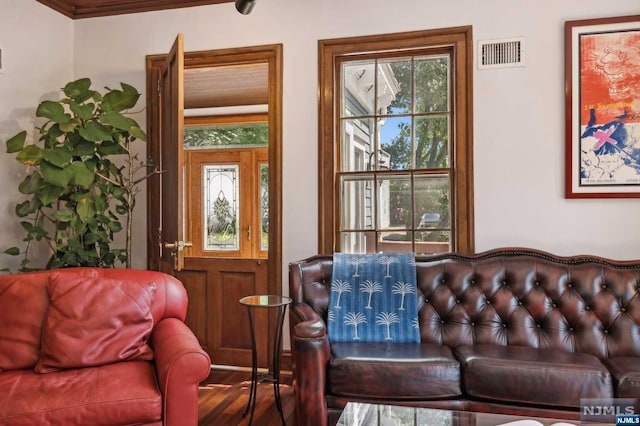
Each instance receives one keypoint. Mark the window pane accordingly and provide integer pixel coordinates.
(357, 203)
(432, 242)
(432, 142)
(432, 84)
(357, 144)
(226, 136)
(221, 209)
(394, 202)
(391, 241)
(431, 197)
(395, 143)
(358, 79)
(394, 86)
(264, 206)
(358, 242)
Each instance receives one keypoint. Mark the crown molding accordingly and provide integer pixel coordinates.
(78, 9)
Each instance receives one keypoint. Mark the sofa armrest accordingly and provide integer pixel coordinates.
(181, 365)
(311, 355)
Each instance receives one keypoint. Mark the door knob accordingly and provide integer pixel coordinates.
(177, 251)
(180, 245)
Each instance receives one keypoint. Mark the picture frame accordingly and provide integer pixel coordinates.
(602, 89)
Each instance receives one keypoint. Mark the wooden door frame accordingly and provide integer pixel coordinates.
(271, 54)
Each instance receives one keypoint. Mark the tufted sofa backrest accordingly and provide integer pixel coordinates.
(512, 297)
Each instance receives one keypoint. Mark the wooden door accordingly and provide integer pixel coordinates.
(214, 282)
(172, 243)
(227, 247)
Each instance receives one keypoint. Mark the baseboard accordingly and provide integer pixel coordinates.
(285, 365)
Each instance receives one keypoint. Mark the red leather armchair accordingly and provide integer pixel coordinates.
(97, 346)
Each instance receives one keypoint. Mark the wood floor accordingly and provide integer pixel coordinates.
(224, 395)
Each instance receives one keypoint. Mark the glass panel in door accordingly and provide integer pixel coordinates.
(221, 207)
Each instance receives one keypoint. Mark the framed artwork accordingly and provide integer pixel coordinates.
(602, 72)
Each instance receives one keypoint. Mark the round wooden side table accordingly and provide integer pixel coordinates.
(279, 303)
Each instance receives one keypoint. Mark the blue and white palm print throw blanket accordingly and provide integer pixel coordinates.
(373, 298)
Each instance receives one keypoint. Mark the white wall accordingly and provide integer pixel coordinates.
(37, 60)
(518, 112)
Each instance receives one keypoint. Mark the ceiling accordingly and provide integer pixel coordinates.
(209, 87)
(77, 9)
(223, 86)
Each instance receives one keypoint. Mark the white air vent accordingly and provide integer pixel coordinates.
(508, 52)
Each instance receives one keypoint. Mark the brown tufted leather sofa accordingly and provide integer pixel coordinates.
(511, 330)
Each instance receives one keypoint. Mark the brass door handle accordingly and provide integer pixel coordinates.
(180, 245)
(177, 251)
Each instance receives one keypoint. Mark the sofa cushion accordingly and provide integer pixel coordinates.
(518, 374)
(393, 370)
(20, 334)
(121, 393)
(626, 375)
(95, 321)
(374, 298)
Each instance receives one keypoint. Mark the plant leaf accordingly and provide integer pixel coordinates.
(91, 238)
(118, 100)
(13, 251)
(59, 157)
(30, 184)
(111, 148)
(137, 133)
(84, 111)
(55, 175)
(25, 208)
(77, 87)
(117, 120)
(82, 176)
(95, 132)
(49, 194)
(70, 126)
(30, 155)
(85, 208)
(79, 90)
(128, 88)
(100, 202)
(27, 226)
(51, 134)
(54, 111)
(16, 143)
(63, 215)
(114, 226)
(118, 192)
(38, 232)
(84, 148)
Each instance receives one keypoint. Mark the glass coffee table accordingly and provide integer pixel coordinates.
(361, 414)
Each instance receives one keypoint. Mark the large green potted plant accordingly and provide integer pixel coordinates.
(82, 177)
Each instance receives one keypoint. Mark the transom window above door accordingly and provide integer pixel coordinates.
(224, 136)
